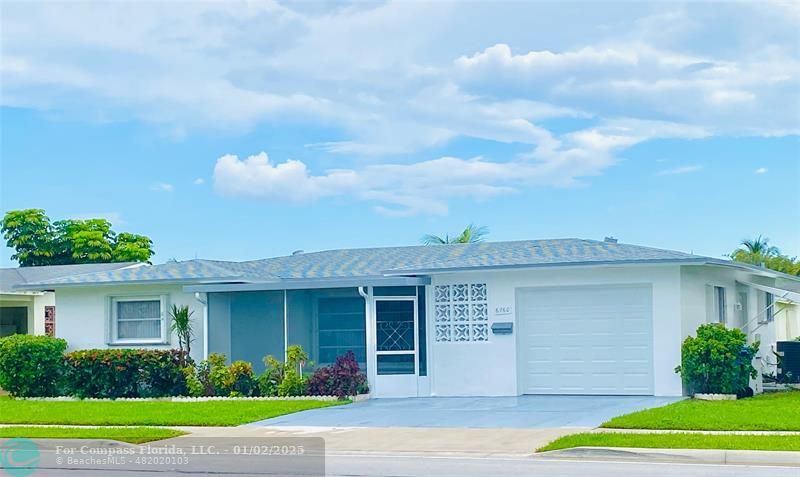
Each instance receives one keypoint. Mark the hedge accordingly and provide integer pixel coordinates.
(31, 366)
(115, 373)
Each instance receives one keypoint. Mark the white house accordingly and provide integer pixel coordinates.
(34, 311)
(564, 316)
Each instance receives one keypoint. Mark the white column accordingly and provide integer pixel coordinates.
(372, 359)
(285, 327)
(205, 325)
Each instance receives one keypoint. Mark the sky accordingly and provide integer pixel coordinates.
(244, 130)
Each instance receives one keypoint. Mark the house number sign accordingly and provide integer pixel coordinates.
(502, 310)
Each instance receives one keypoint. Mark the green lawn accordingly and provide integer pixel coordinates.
(134, 435)
(676, 441)
(766, 412)
(149, 413)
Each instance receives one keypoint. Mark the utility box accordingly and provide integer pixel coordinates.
(503, 328)
(790, 361)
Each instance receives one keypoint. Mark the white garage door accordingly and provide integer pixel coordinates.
(586, 340)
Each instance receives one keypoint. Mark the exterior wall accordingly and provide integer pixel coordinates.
(36, 322)
(83, 315)
(744, 305)
(246, 326)
(787, 321)
(490, 368)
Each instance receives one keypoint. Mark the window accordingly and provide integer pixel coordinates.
(13, 320)
(719, 304)
(342, 328)
(769, 312)
(138, 320)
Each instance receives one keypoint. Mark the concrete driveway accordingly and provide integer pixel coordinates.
(522, 412)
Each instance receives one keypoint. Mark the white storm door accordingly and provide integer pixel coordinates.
(396, 334)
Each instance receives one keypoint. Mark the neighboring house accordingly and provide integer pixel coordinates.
(34, 311)
(565, 316)
(787, 320)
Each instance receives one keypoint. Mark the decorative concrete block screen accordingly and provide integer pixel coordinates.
(461, 312)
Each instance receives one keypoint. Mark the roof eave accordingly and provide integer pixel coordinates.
(767, 272)
(161, 281)
(308, 284)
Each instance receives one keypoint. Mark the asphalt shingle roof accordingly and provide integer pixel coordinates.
(11, 278)
(375, 262)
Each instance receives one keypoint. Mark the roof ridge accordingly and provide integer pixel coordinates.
(388, 247)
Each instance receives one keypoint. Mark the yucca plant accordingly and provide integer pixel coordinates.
(182, 327)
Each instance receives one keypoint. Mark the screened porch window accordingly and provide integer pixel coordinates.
(138, 320)
(341, 328)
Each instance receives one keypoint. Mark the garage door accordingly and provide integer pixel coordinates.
(586, 340)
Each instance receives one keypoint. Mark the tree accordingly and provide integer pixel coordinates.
(30, 234)
(755, 251)
(784, 263)
(132, 248)
(472, 234)
(85, 241)
(38, 242)
(759, 252)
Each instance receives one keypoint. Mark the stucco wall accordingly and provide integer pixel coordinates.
(82, 314)
(787, 321)
(491, 368)
(696, 305)
(37, 320)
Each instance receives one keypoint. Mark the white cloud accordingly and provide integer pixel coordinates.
(761, 170)
(162, 187)
(680, 170)
(426, 187)
(646, 81)
(199, 181)
(620, 75)
(538, 62)
(224, 65)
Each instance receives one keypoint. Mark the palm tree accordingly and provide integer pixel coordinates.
(472, 234)
(755, 251)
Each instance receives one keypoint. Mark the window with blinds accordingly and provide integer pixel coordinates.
(138, 319)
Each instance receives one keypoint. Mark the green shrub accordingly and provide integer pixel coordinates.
(272, 377)
(213, 378)
(194, 387)
(717, 360)
(115, 373)
(219, 375)
(241, 380)
(31, 365)
(285, 379)
(294, 383)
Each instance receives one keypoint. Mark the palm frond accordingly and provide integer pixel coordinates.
(429, 239)
(472, 234)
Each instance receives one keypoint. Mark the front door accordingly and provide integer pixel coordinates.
(395, 347)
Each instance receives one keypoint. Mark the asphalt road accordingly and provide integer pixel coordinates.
(408, 465)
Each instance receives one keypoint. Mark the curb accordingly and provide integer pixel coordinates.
(696, 456)
(613, 430)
